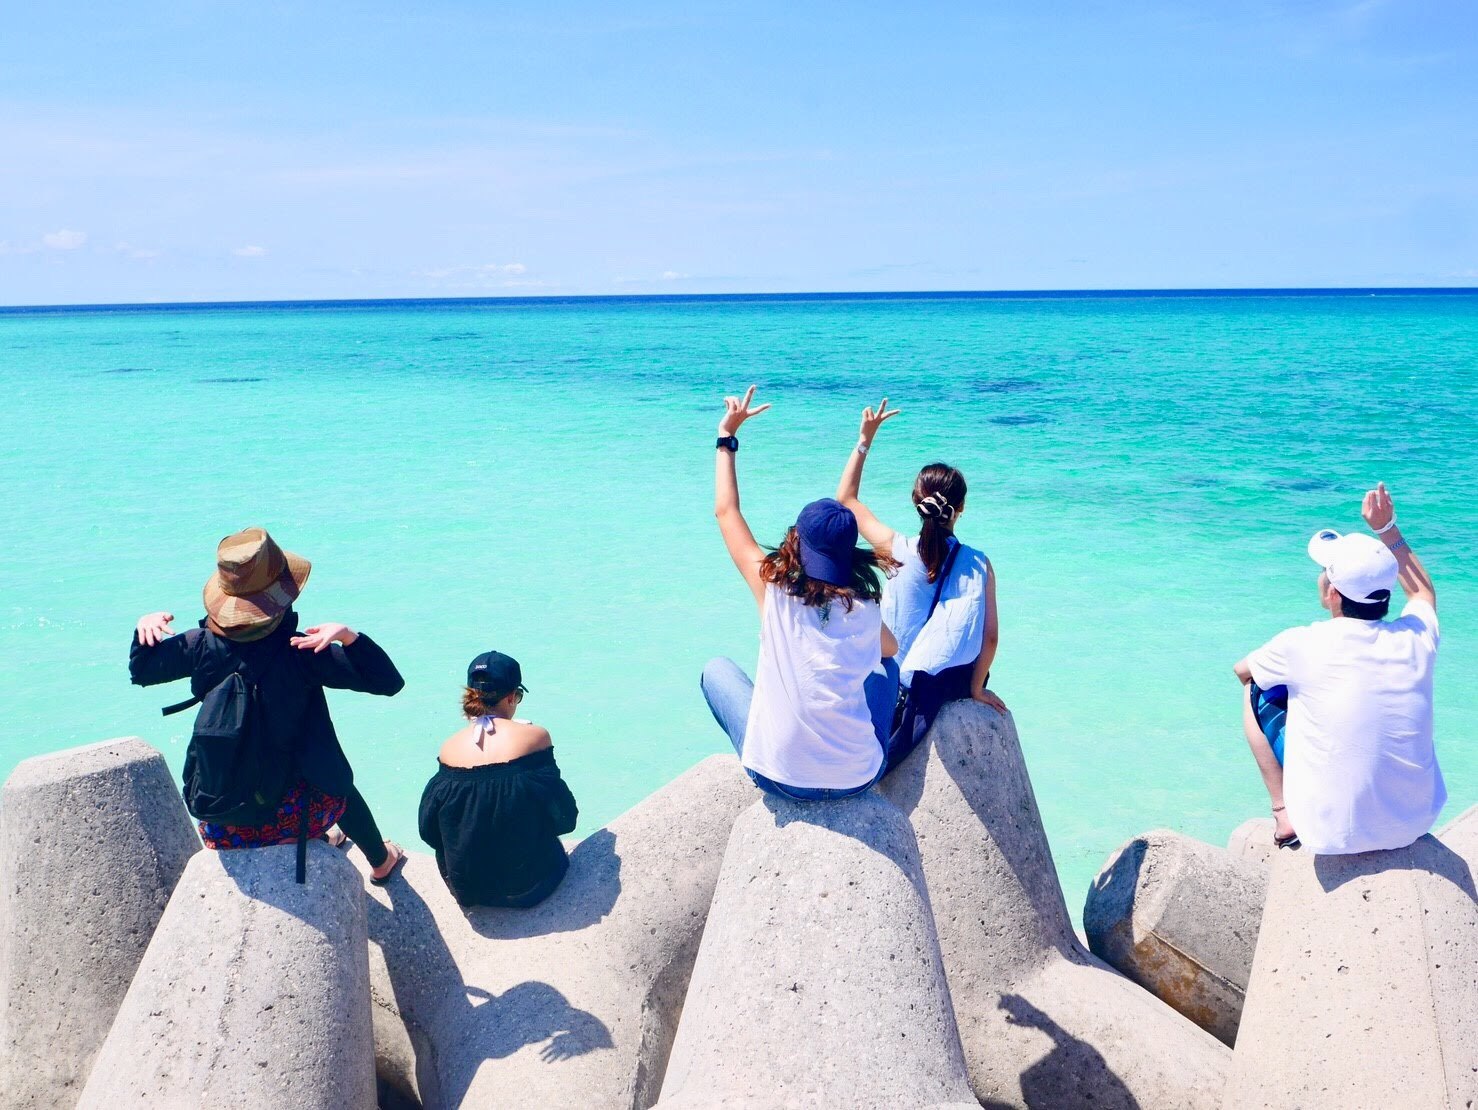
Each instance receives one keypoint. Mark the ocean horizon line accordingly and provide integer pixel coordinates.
(1238, 292)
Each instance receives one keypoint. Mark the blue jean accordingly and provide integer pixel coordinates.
(728, 691)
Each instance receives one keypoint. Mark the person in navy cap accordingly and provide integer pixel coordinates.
(815, 722)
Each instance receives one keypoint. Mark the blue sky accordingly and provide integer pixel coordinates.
(189, 151)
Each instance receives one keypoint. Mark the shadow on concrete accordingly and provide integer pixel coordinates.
(1428, 854)
(1093, 1084)
(471, 1024)
(588, 892)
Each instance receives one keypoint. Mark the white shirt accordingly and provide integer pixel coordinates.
(1359, 771)
(952, 637)
(809, 724)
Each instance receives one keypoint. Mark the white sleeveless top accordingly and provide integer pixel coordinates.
(809, 724)
(952, 637)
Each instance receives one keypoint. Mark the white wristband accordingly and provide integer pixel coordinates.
(1389, 525)
(861, 447)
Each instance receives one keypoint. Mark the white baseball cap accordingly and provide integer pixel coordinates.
(1358, 565)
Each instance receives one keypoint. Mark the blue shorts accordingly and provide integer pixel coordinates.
(1270, 707)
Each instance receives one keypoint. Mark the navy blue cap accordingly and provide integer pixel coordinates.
(827, 531)
(495, 674)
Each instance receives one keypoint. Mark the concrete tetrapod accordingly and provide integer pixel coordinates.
(1044, 1023)
(819, 982)
(1253, 841)
(1180, 918)
(254, 992)
(1461, 835)
(92, 841)
(572, 1003)
(1363, 992)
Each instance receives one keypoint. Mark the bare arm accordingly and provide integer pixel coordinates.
(740, 541)
(989, 641)
(849, 489)
(1242, 671)
(1379, 511)
(890, 643)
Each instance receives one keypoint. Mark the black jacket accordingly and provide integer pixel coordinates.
(291, 687)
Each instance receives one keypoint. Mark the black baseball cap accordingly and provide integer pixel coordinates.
(496, 674)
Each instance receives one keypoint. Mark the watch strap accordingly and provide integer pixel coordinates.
(730, 443)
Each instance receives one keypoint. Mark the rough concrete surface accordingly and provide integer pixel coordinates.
(92, 842)
(1461, 835)
(1253, 840)
(1043, 1022)
(254, 992)
(573, 1003)
(1363, 991)
(1180, 918)
(819, 982)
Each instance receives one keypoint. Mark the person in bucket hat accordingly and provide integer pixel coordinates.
(816, 720)
(1338, 713)
(250, 626)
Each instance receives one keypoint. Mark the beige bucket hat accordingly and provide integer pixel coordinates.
(255, 581)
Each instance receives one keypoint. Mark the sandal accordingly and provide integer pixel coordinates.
(336, 837)
(400, 858)
(1289, 841)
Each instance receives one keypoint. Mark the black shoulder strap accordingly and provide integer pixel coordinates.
(949, 561)
(240, 668)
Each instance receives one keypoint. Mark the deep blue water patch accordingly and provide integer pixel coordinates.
(1008, 385)
(1019, 420)
(228, 381)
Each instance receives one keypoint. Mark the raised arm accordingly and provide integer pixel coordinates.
(746, 553)
(1380, 513)
(157, 654)
(343, 659)
(849, 489)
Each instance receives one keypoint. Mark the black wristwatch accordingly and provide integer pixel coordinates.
(730, 442)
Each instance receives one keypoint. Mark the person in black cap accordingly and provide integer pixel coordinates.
(497, 806)
(815, 722)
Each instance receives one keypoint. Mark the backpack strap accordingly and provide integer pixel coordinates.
(240, 668)
(949, 561)
(303, 840)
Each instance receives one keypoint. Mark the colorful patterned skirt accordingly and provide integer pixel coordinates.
(323, 811)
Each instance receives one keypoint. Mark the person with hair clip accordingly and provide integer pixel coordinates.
(497, 806)
(942, 602)
(814, 722)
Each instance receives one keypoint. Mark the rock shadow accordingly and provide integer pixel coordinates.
(587, 894)
(459, 1026)
(1428, 854)
(1094, 1083)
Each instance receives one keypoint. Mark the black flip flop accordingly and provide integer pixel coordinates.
(1290, 841)
(399, 863)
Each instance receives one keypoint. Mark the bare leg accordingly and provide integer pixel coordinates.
(1268, 765)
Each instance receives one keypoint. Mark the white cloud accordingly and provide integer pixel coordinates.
(489, 274)
(64, 240)
(673, 275)
(250, 252)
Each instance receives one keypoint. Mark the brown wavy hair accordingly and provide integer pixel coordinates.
(782, 567)
(476, 704)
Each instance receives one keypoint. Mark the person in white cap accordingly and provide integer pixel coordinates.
(1353, 769)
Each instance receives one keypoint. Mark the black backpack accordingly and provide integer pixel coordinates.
(234, 773)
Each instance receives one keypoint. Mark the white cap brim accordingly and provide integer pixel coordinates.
(1321, 546)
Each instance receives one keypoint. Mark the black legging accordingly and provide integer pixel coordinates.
(359, 826)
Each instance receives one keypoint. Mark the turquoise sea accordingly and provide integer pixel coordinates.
(536, 476)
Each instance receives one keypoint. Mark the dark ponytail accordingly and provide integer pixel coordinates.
(938, 495)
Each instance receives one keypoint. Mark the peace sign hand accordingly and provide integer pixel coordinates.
(1377, 508)
(737, 411)
(873, 420)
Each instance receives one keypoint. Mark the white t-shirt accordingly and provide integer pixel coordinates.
(1359, 769)
(809, 724)
(952, 637)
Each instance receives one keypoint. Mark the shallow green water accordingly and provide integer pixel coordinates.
(537, 478)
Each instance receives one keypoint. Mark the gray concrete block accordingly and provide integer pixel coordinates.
(1363, 991)
(1044, 1023)
(573, 1003)
(1461, 835)
(1253, 840)
(254, 992)
(819, 982)
(1180, 918)
(92, 842)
